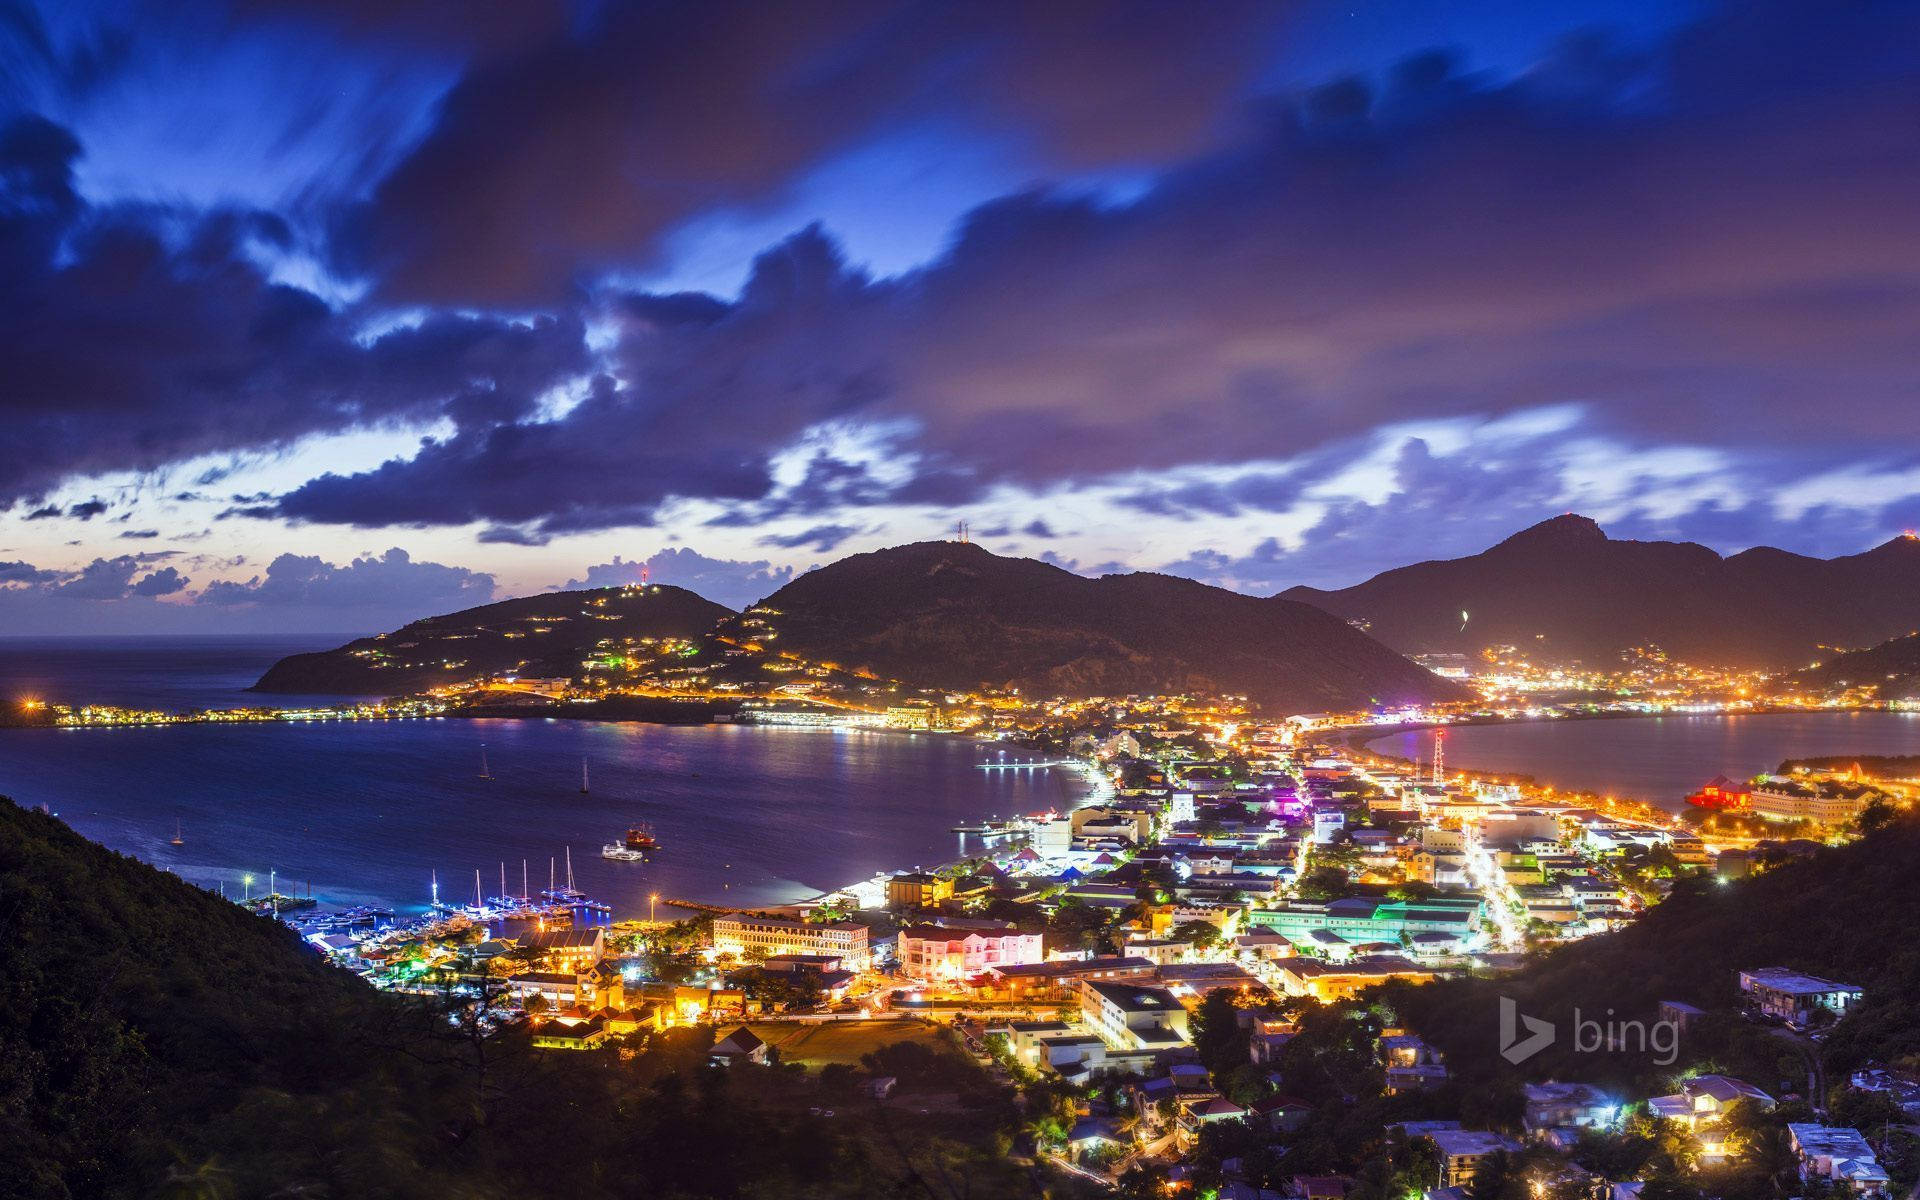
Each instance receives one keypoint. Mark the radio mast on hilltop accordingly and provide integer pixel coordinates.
(1439, 753)
(960, 533)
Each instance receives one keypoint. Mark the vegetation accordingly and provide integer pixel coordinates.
(156, 1040)
(1844, 912)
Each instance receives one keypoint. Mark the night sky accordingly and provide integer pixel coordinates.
(325, 314)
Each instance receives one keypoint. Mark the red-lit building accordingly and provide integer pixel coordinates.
(1722, 795)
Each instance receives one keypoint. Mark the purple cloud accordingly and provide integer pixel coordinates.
(1661, 242)
(732, 582)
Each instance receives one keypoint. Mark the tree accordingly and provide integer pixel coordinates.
(1203, 934)
(1217, 1034)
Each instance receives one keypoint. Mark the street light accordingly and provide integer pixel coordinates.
(651, 901)
(246, 884)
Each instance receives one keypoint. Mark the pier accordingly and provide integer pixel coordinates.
(1026, 766)
(697, 906)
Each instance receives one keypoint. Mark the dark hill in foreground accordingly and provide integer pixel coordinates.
(1563, 590)
(156, 1040)
(952, 615)
(545, 636)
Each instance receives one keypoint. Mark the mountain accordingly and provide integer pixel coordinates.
(545, 636)
(952, 615)
(1563, 590)
(1891, 670)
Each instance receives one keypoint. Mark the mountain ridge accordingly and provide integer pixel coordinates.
(1563, 590)
(540, 636)
(953, 615)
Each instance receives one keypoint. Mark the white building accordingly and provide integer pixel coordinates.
(743, 935)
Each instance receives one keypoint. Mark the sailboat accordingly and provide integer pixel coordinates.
(484, 773)
(583, 776)
(178, 839)
(562, 895)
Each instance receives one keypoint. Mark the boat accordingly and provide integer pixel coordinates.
(640, 837)
(178, 839)
(619, 853)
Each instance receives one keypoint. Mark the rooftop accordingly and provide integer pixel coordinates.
(1134, 999)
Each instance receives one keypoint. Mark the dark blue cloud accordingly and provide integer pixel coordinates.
(141, 337)
(578, 152)
(821, 539)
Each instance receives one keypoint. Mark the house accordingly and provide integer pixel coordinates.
(1412, 1065)
(1839, 1155)
(1132, 1017)
(1680, 1014)
(1900, 1085)
(937, 953)
(1208, 1110)
(568, 949)
(570, 1035)
(1269, 1036)
(1055, 1046)
(1092, 1136)
(1038, 980)
(918, 889)
(1795, 998)
(1706, 1098)
(1280, 1114)
(1701, 1103)
(557, 989)
(1554, 1105)
(1462, 1153)
(1322, 1187)
(742, 1045)
(1329, 982)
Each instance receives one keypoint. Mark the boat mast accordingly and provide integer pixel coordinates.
(569, 868)
(583, 775)
(436, 888)
(550, 884)
(503, 881)
(479, 900)
(484, 773)
(524, 893)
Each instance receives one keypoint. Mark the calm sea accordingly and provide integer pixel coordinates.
(168, 673)
(371, 811)
(1659, 759)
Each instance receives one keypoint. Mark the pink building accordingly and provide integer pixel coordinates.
(934, 952)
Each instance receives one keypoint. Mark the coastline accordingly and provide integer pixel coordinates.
(1666, 798)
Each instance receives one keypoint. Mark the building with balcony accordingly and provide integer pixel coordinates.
(935, 953)
(744, 935)
(1795, 998)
